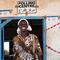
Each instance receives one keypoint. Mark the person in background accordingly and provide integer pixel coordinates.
(26, 45)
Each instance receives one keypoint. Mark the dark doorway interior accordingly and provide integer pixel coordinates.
(10, 31)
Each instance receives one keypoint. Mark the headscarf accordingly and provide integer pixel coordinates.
(29, 27)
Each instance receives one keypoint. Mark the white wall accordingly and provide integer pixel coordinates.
(46, 8)
(53, 38)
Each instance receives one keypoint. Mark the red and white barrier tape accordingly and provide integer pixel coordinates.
(52, 49)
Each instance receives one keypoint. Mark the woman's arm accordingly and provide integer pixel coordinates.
(38, 48)
(15, 44)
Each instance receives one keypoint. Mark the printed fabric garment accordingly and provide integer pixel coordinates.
(29, 49)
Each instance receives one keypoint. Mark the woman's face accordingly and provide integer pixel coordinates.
(23, 25)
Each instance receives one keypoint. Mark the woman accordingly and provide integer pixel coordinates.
(26, 46)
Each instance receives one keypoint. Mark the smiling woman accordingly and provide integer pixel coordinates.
(26, 46)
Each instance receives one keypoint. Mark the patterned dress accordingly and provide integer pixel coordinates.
(28, 49)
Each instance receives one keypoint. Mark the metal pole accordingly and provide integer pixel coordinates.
(0, 42)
